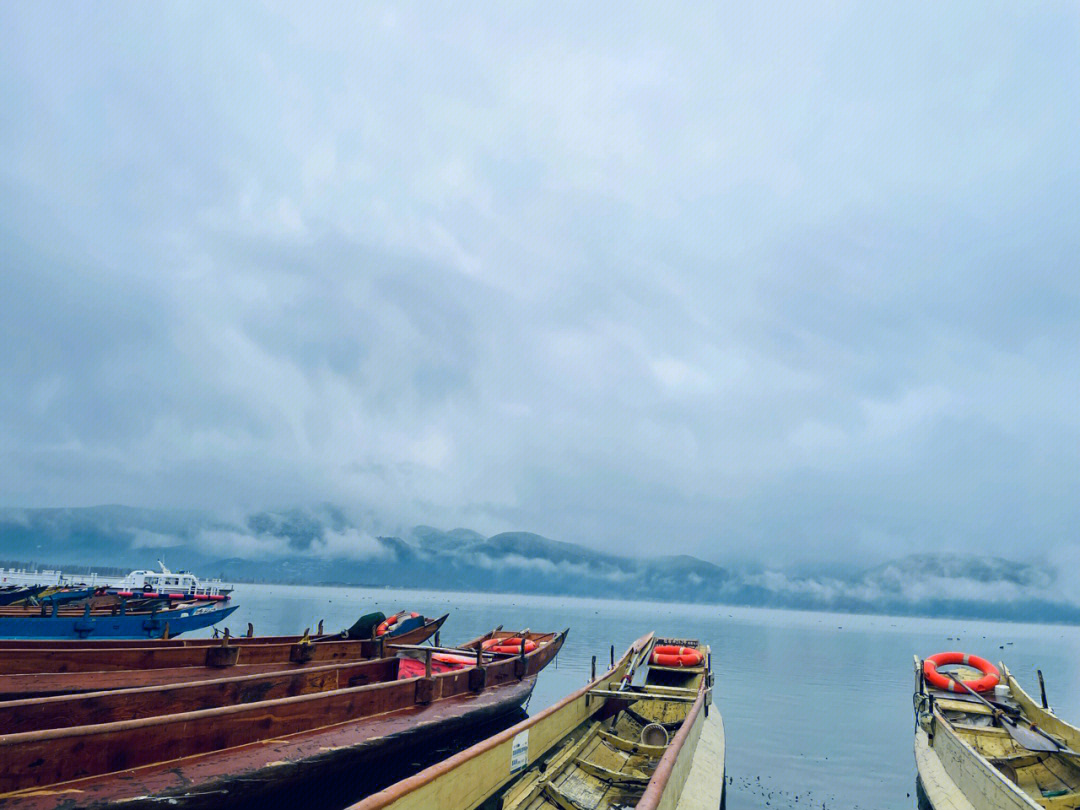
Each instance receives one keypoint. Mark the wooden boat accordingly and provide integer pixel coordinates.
(114, 643)
(207, 757)
(229, 687)
(50, 622)
(166, 663)
(609, 745)
(972, 756)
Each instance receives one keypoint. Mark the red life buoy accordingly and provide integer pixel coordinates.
(984, 684)
(388, 625)
(668, 655)
(457, 660)
(509, 646)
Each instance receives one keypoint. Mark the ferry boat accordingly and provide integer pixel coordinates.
(140, 580)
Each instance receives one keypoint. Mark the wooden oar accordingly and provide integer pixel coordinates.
(1033, 739)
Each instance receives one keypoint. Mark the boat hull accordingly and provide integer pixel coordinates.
(702, 790)
(130, 626)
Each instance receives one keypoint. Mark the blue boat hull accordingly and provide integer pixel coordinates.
(128, 626)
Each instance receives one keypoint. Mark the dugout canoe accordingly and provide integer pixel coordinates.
(587, 750)
(245, 753)
(205, 662)
(969, 759)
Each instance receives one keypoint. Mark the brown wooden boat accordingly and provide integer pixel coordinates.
(205, 662)
(215, 757)
(119, 643)
(229, 687)
(42, 660)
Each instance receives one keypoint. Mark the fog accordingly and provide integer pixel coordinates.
(768, 283)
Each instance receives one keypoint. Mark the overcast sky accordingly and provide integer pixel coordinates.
(743, 280)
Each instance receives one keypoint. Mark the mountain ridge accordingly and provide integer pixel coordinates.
(323, 544)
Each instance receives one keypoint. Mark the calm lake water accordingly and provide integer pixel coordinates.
(816, 706)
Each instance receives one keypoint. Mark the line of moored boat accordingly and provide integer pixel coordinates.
(141, 721)
(102, 705)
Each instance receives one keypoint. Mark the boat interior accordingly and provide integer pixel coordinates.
(607, 762)
(1050, 778)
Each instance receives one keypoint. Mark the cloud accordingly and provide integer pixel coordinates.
(746, 282)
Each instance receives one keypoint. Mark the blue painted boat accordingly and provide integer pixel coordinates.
(123, 625)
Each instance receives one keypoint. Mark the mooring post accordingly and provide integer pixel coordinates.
(427, 663)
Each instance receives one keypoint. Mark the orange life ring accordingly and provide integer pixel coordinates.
(984, 684)
(508, 646)
(389, 624)
(668, 655)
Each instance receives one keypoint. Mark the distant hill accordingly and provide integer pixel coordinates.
(324, 544)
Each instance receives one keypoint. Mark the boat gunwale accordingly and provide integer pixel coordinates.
(654, 791)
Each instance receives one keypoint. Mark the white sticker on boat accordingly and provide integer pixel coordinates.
(519, 751)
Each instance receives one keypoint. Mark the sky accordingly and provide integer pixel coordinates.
(758, 281)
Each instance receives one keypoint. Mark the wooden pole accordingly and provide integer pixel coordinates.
(1042, 689)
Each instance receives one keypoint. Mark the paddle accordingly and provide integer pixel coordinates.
(1033, 739)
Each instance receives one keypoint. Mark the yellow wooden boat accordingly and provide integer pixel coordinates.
(611, 745)
(973, 756)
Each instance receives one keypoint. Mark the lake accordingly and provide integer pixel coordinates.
(816, 706)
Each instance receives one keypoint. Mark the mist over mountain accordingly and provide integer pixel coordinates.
(327, 544)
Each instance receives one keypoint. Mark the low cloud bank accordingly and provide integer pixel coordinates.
(325, 544)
